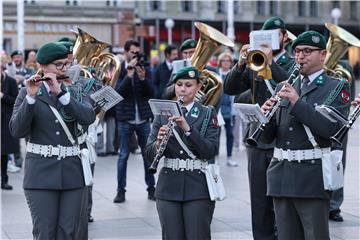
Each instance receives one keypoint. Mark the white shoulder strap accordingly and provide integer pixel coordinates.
(310, 136)
(63, 124)
(183, 145)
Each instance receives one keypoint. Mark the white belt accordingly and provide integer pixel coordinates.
(184, 164)
(49, 150)
(299, 155)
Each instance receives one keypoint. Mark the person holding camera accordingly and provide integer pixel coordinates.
(133, 113)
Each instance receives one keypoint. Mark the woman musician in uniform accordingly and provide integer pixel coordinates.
(182, 198)
(53, 178)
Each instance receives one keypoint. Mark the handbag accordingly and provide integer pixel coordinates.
(332, 166)
(212, 174)
(84, 153)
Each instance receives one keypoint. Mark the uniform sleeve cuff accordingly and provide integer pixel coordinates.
(30, 100)
(65, 99)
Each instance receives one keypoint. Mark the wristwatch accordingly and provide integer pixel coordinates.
(187, 133)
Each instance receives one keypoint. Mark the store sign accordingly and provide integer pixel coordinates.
(54, 27)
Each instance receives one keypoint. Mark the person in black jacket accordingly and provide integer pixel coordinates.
(133, 114)
(163, 72)
(182, 196)
(9, 145)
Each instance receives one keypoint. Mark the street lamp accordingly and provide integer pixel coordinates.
(336, 14)
(169, 24)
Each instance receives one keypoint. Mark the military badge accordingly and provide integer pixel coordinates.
(345, 96)
(191, 74)
(277, 22)
(215, 122)
(40, 92)
(195, 112)
(315, 39)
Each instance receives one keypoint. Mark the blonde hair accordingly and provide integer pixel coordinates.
(224, 55)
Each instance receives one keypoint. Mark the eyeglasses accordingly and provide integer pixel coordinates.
(306, 51)
(60, 66)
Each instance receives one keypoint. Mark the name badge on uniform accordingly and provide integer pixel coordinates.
(195, 112)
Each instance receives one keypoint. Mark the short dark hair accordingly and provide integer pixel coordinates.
(130, 43)
(169, 49)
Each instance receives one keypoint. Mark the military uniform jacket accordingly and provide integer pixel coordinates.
(242, 80)
(38, 124)
(177, 185)
(304, 179)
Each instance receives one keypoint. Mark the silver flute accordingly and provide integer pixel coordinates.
(160, 151)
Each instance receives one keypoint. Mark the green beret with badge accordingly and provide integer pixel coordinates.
(68, 45)
(186, 73)
(50, 52)
(274, 23)
(310, 38)
(16, 52)
(187, 44)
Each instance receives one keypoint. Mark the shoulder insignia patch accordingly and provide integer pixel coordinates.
(345, 96)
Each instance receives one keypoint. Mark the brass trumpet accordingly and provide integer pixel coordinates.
(257, 61)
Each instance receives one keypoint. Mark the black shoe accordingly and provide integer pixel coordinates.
(120, 197)
(6, 186)
(151, 194)
(102, 154)
(90, 219)
(336, 216)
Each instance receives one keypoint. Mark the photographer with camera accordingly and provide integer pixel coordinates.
(133, 113)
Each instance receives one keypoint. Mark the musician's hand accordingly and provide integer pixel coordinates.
(182, 123)
(161, 134)
(267, 50)
(268, 104)
(243, 54)
(32, 87)
(19, 78)
(53, 83)
(289, 92)
(141, 72)
(356, 101)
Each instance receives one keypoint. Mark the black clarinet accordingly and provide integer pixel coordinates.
(339, 136)
(160, 151)
(254, 138)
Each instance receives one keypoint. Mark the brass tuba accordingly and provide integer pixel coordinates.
(88, 53)
(210, 41)
(339, 41)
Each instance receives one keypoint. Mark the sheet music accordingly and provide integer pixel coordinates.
(331, 113)
(264, 37)
(250, 112)
(106, 97)
(179, 64)
(165, 107)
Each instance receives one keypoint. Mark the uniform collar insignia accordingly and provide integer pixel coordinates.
(319, 80)
(40, 92)
(195, 112)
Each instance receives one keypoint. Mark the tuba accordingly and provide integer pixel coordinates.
(210, 41)
(339, 41)
(88, 53)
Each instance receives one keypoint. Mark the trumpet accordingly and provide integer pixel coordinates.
(339, 136)
(254, 138)
(160, 151)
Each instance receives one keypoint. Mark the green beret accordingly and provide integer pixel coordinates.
(186, 73)
(51, 52)
(16, 52)
(66, 39)
(310, 38)
(68, 45)
(273, 23)
(187, 44)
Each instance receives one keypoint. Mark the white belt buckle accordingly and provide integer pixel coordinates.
(182, 164)
(190, 164)
(62, 152)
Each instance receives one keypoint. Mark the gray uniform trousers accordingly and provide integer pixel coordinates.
(295, 218)
(60, 217)
(185, 220)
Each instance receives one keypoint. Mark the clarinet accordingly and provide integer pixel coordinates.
(339, 136)
(254, 138)
(160, 151)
